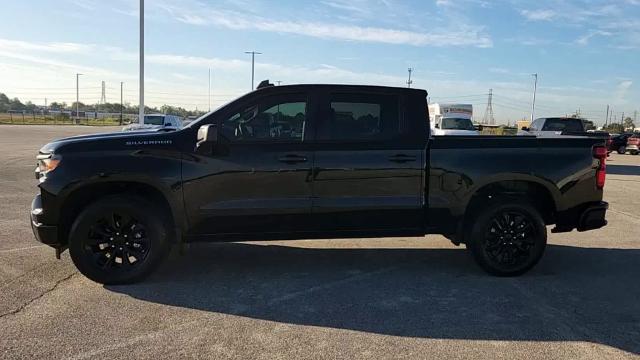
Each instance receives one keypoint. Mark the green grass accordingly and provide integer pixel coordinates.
(30, 119)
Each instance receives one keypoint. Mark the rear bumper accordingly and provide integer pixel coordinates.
(593, 217)
(46, 234)
(583, 218)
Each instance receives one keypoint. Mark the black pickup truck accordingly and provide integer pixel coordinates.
(312, 161)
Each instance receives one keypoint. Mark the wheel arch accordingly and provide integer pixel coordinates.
(539, 195)
(81, 197)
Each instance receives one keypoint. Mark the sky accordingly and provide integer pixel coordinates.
(586, 53)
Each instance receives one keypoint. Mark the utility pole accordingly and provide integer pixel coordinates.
(606, 117)
(635, 116)
(535, 88)
(611, 117)
(141, 80)
(103, 97)
(409, 81)
(209, 90)
(253, 61)
(121, 102)
(77, 97)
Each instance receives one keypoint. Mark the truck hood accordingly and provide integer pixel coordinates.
(440, 132)
(124, 138)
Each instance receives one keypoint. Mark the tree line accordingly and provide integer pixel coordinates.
(7, 104)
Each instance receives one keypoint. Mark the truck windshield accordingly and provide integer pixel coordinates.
(154, 120)
(457, 124)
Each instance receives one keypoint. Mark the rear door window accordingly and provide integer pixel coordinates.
(361, 117)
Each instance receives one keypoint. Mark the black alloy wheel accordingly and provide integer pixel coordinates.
(119, 239)
(507, 237)
(510, 239)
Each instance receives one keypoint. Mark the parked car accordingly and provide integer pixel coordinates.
(353, 161)
(633, 142)
(553, 127)
(156, 121)
(619, 143)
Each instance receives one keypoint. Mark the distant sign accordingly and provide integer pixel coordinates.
(458, 110)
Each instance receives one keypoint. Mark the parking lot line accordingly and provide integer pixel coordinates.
(21, 249)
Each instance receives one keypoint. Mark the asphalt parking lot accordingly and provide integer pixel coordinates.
(376, 299)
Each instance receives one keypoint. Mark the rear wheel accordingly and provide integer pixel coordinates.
(118, 240)
(507, 238)
(622, 149)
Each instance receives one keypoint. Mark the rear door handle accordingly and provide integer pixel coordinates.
(401, 158)
(292, 159)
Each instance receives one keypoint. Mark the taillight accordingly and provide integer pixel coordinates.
(600, 153)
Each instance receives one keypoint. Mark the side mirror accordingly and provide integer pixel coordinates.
(207, 134)
(437, 126)
(524, 128)
(480, 127)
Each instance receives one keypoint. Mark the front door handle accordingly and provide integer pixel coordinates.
(401, 158)
(292, 159)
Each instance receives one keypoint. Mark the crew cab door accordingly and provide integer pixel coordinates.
(369, 163)
(257, 179)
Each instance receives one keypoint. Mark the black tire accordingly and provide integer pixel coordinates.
(495, 241)
(622, 149)
(128, 228)
(634, 152)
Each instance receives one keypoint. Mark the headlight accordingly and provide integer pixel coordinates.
(46, 164)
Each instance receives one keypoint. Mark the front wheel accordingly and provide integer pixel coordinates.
(634, 152)
(118, 240)
(507, 238)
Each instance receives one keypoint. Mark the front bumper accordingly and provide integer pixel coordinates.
(46, 234)
(583, 218)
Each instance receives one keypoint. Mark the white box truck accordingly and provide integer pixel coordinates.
(452, 119)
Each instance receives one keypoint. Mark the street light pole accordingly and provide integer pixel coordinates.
(253, 59)
(141, 80)
(535, 88)
(121, 102)
(77, 97)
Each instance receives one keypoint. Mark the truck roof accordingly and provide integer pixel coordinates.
(346, 87)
